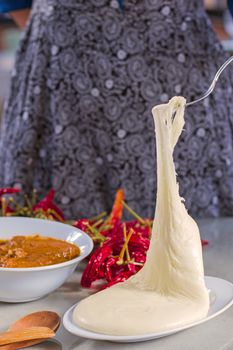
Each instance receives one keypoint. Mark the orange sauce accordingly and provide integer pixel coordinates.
(34, 251)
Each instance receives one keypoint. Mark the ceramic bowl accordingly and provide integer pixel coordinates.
(27, 284)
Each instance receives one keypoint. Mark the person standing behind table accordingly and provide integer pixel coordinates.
(78, 118)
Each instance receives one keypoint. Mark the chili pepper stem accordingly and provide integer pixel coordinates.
(132, 212)
(18, 207)
(28, 202)
(104, 224)
(104, 228)
(4, 205)
(97, 217)
(125, 245)
(57, 216)
(125, 238)
(96, 233)
(136, 263)
(97, 223)
(34, 197)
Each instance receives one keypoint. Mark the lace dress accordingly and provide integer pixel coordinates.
(78, 118)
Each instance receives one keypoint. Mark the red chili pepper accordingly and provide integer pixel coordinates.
(112, 261)
(47, 204)
(114, 242)
(120, 278)
(138, 256)
(140, 242)
(8, 191)
(131, 268)
(91, 272)
(82, 224)
(117, 208)
(117, 269)
(8, 211)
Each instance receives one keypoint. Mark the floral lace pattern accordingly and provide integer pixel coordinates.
(79, 120)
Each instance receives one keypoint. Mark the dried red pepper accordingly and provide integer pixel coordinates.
(120, 278)
(8, 190)
(47, 205)
(91, 272)
(117, 209)
(111, 267)
(82, 224)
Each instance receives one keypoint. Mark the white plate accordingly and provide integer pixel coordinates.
(221, 298)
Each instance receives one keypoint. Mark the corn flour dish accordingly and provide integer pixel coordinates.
(169, 291)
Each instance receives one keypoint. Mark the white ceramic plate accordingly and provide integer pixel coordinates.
(221, 298)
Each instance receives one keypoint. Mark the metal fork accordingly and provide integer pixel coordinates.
(212, 86)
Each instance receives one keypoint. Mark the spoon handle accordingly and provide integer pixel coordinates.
(30, 333)
(22, 344)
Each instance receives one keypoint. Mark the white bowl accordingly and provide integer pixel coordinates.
(27, 284)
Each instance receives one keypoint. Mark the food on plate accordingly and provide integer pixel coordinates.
(169, 291)
(35, 251)
(122, 245)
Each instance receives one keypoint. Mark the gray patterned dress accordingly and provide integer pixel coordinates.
(79, 120)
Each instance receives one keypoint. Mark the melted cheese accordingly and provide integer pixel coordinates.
(169, 291)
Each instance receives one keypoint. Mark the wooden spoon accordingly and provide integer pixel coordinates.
(30, 333)
(47, 319)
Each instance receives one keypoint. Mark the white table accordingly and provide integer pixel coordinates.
(216, 334)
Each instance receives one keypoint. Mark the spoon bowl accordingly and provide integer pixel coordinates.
(47, 319)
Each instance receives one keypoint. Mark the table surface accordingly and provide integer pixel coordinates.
(216, 334)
